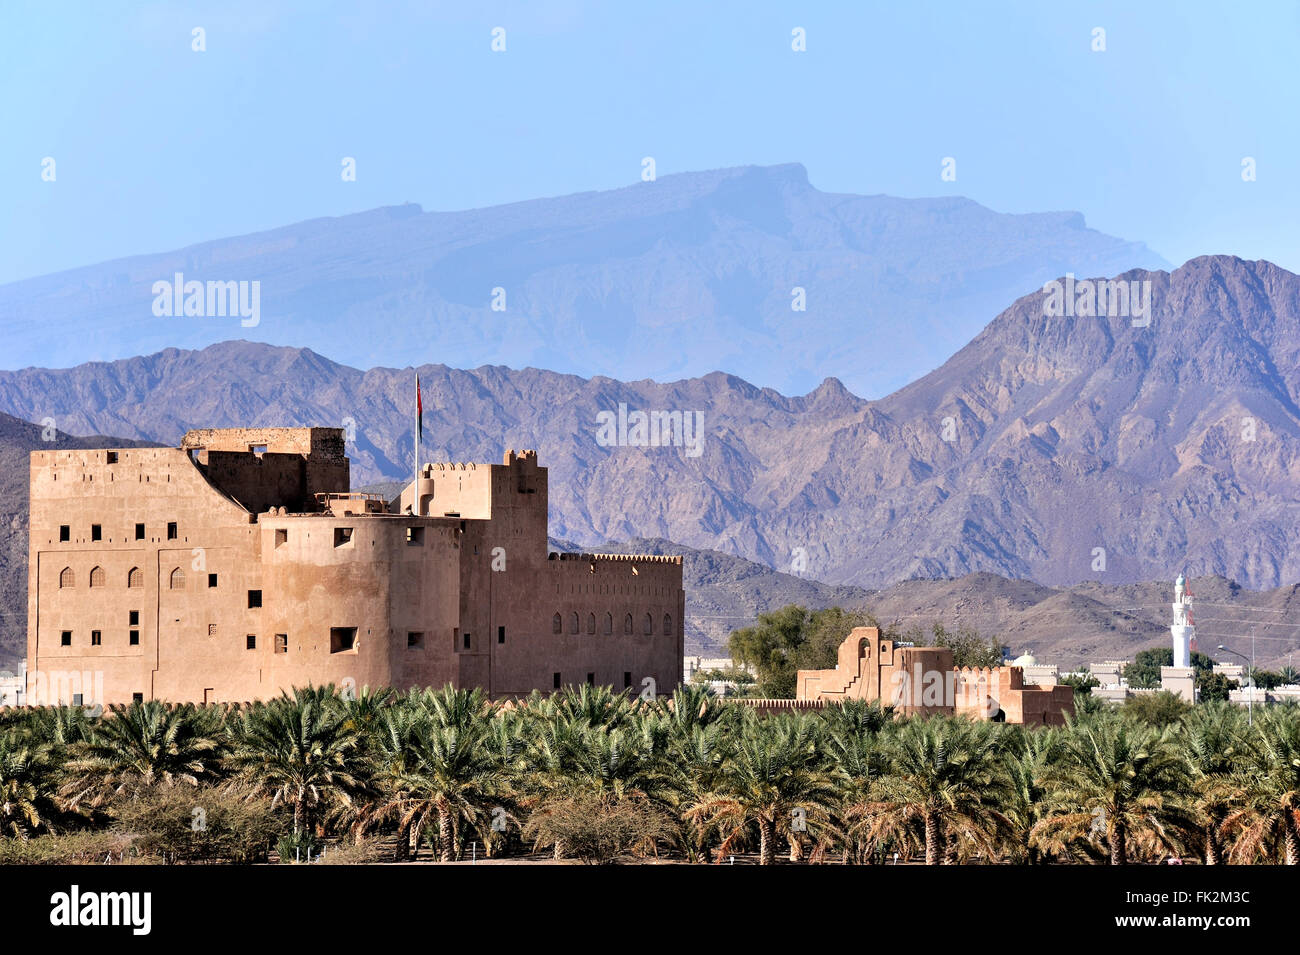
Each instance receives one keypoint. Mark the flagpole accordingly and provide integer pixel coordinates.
(415, 504)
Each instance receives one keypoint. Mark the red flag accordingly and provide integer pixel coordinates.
(419, 409)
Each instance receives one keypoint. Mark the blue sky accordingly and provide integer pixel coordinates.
(157, 146)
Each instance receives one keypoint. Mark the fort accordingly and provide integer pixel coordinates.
(241, 564)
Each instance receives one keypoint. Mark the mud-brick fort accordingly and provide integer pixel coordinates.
(240, 564)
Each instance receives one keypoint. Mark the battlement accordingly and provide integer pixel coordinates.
(617, 558)
(431, 468)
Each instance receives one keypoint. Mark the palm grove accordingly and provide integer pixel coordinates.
(593, 775)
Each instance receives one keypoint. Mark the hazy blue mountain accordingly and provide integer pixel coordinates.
(664, 280)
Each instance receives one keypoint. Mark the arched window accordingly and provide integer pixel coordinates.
(609, 623)
(627, 624)
(97, 577)
(557, 624)
(134, 578)
(67, 578)
(178, 579)
(574, 625)
(649, 624)
(591, 623)
(668, 625)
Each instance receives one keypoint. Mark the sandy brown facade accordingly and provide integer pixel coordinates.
(922, 681)
(239, 565)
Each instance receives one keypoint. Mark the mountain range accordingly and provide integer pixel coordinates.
(748, 269)
(1050, 449)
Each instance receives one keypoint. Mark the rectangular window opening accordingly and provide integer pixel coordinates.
(415, 536)
(171, 530)
(139, 532)
(254, 599)
(65, 533)
(281, 643)
(501, 634)
(343, 639)
(97, 532)
(342, 535)
(415, 641)
(250, 642)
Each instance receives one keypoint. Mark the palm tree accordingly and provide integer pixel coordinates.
(853, 746)
(1263, 795)
(141, 745)
(773, 782)
(946, 779)
(1213, 739)
(570, 762)
(586, 703)
(450, 773)
(26, 799)
(1119, 784)
(1035, 751)
(694, 771)
(297, 749)
(692, 706)
(455, 708)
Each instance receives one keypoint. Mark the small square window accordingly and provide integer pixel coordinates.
(110, 457)
(76, 699)
(97, 532)
(555, 680)
(134, 621)
(135, 638)
(96, 638)
(171, 530)
(212, 580)
(466, 638)
(343, 639)
(415, 536)
(281, 643)
(212, 630)
(342, 536)
(627, 678)
(591, 679)
(501, 634)
(139, 532)
(254, 599)
(281, 536)
(65, 638)
(415, 641)
(137, 697)
(250, 642)
(257, 449)
(65, 533)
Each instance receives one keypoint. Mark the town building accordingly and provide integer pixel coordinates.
(922, 681)
(240, 564)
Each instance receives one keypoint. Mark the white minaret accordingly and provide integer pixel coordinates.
(1183, 631)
